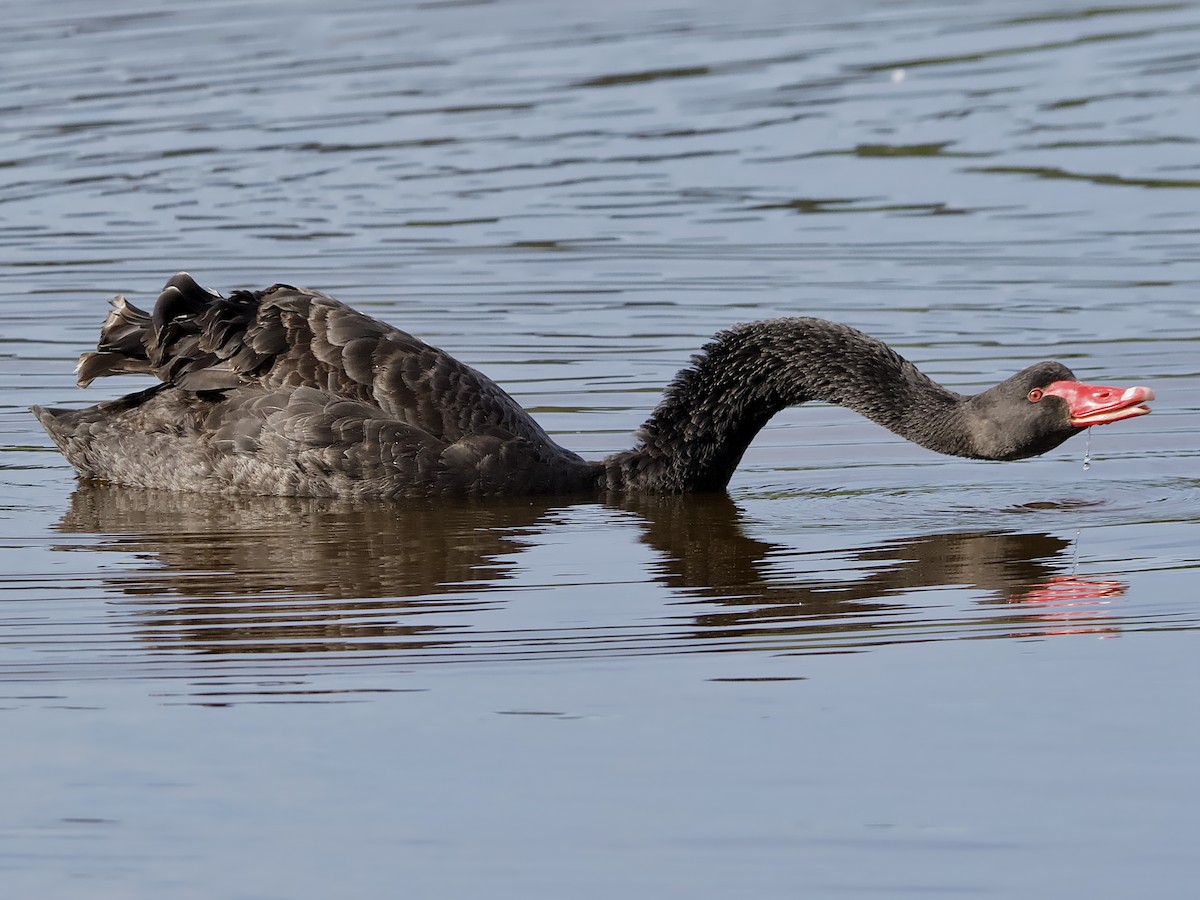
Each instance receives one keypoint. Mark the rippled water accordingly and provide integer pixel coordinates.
(780, 692)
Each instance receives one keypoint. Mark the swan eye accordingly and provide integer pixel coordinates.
(1035, 395)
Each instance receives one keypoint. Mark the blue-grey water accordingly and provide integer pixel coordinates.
(867, 671)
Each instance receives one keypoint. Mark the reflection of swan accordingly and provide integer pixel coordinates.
(1008, 568)
(295, 547)
(287, 391)
(286, 576)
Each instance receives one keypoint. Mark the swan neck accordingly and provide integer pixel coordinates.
(714, 408)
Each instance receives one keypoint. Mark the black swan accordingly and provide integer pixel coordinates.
(287, 391)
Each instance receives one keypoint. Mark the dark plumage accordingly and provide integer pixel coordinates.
(287, 391)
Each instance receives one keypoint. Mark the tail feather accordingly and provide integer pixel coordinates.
(93, 365)
(125, 329)
(194, 338)
(194, 332)
(165, 343)
(181, 299)
(74, 431)
(121, 349)
(49, 420)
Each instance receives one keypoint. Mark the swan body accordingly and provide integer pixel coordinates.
(287, 391)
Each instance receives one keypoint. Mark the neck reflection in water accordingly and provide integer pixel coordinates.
(443, 582)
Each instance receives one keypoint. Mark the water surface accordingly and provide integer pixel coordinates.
(866, 671)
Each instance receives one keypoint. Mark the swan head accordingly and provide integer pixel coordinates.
(1040, 407)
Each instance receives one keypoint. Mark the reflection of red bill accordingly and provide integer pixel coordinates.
(1073, 605)
(1068, 590)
